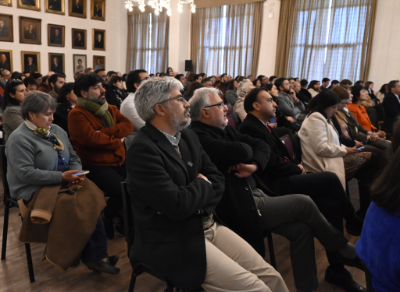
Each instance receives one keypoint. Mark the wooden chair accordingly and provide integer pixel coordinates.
(9, 203)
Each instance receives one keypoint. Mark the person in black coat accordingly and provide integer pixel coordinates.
(115, 94)
(285, 175)
(247, 206)
(77, 7)
(66, 101)
(174, 189)
(391, 104)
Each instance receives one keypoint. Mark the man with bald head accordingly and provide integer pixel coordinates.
(4, 63)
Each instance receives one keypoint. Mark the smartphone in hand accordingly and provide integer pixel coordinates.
(82, 173)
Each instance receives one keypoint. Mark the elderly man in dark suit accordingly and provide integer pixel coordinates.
(30, 66)
(30, 34)
(248, 206)
(285, 175)
(98, 12)
(174, 189)
(3, 29)
(77, 7)
(55, 5)
(391, 104)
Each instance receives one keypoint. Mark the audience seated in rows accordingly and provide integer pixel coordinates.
(193, 87)
(13, 97)
(115, 93)
(175, 188)
(66, 101)
(288, 103)
(40, 161)
(231, 93)
(98, 132)
(56, 81)
(30, 84)
(325, 83)
(391, 104)
(243, 89)
(351, 134)
(247, 206)
(314, 88)
(322, 150)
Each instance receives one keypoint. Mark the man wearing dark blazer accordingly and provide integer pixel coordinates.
(285, 175)
(247, 206)
(30, 34)
(77, 7)
(55, 5)
(98, 12)
(391, 104)
(30, 66)
(174, 189)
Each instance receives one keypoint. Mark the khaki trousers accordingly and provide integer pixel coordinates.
(233, 265)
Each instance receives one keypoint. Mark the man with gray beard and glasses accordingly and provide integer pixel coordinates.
(98, 132)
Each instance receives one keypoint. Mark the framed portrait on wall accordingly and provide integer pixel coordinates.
(29, 4)
(55, 6)
(77, 8)
(6, 28)
(30, 61)
(99, 62)
(6, 3)
(99, 39)
(6, 60)
(56, 35)
(79, 39)
(56, 62)
(80, 63)
(30, 30)
(98, 9)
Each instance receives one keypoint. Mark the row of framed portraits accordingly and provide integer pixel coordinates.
(77, 8)
(30, 61)
(30, 32)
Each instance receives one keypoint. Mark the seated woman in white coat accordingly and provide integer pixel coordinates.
(322, 150)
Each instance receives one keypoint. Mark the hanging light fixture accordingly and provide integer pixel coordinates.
(158, 5)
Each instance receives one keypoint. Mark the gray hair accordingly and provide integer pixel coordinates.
(243, 87)
(37, 102)
(153, 91)
(201, 99)
(5, 72)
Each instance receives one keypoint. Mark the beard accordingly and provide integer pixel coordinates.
(57, 89)
(97, 100)
(178, 122)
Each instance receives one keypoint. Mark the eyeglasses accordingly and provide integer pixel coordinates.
(219, 105)
(178, 97)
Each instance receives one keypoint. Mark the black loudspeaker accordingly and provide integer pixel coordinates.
(188, 65)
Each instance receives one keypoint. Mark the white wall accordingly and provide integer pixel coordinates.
(386, 44)
(115, 26)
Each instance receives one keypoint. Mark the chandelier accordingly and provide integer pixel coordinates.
(158, 5)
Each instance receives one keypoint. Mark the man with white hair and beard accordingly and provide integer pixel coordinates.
(98, 132)
(174, 189)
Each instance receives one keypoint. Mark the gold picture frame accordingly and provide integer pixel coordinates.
(77, 43)
(36, 61)
(8, 55)
(6, 3)
(55, 35)
(77, 10)
(55, 6)
(57, 67)
(102, 64)
(29, 4)
(98, 9)
(99, 43)
(6, 28)
(30, 30)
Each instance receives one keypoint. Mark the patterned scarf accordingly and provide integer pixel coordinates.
(45, 134)
(98, 110)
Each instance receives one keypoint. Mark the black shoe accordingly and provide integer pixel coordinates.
(356, 262)
(108, 227)
(103, 267)
(113, 260)
(354, 226)
(343, 279)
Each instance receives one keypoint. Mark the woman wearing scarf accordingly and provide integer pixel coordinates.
(323, 151)
(59, 208)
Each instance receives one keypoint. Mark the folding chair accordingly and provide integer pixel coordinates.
(9, 203)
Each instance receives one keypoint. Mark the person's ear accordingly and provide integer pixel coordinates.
(256, 106)
(136, 85)
(159, 109)
(205, 113)
(84, 93)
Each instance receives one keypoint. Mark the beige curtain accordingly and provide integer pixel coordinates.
(226, 39)
(368, 40)
(285, 27)
(147, 42)
(331, 39)
(213, 3)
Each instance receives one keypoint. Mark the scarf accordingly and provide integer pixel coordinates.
(98, 110)
(45, 134)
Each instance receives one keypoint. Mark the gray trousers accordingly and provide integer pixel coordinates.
(297, 218)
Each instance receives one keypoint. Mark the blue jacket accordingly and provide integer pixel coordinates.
(379, 248)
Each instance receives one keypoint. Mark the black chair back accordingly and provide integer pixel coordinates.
(129, 219)
(288, 144)
(7, 195)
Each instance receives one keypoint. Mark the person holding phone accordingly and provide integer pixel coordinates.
(41, 165)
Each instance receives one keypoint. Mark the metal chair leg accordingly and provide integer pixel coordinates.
(5, 230)
(29, 261)
(133, 282)
(271, 250)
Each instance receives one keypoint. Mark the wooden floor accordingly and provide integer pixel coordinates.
(14, 271)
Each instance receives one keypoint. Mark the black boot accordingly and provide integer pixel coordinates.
(343, 279)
